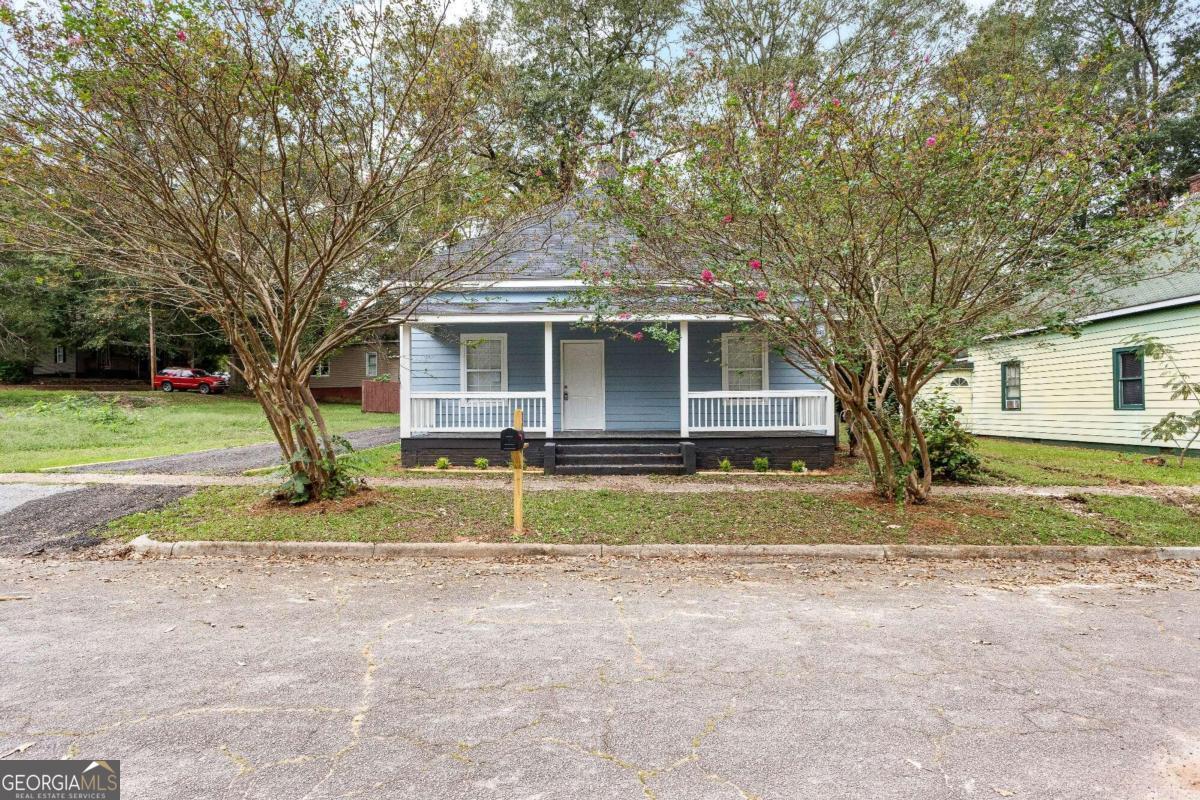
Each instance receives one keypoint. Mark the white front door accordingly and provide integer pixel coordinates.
(583, 385)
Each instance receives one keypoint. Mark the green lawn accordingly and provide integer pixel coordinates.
(42, 428)
(1051, 465)
(622, 517)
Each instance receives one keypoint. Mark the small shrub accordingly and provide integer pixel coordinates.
(799, 466)
(481, 463)
(15, 371)
(93, 409)
(726, 465)
(951, 448)
(442, 463)
(384, 378)
(762, 464)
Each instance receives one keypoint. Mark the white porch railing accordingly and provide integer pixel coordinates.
(783, 410)
(475, 412)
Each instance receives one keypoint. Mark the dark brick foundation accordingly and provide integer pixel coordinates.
(780, 451)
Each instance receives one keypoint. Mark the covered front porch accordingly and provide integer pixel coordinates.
(715, 392)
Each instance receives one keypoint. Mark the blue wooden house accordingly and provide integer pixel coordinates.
(596, 399)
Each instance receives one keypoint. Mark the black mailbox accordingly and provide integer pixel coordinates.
(512, 439)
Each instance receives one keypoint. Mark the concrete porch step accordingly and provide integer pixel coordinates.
(620, 469)
(607, 448)
(569, 458)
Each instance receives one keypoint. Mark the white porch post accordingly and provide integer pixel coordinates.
(830, 413)
(405, 372)
(683, 378)
(549, 372)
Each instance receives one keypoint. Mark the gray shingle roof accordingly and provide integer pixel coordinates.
(557, 245)
(1158, 289)
(1172, 274)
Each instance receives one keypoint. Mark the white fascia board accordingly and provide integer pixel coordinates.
(1102, 315)
(433, 319)
(546, 283)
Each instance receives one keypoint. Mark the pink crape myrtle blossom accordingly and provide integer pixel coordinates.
(760, 295)
(637, 337)
(931, 141)
(707, 276)
(181, 35)
(754, 263)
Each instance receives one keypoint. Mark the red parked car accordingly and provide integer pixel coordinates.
(181, 379)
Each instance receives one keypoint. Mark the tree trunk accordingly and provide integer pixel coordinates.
(888, 448)
(295, 418)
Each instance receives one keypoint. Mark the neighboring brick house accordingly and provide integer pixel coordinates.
(340, 377)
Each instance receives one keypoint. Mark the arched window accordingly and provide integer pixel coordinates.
(959, 383)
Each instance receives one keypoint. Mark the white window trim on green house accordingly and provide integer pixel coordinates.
(321, 370)
(372, 364)
(1009, 402)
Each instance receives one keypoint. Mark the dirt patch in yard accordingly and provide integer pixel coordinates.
(360, 499)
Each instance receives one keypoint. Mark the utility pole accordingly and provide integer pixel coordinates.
(153, 351)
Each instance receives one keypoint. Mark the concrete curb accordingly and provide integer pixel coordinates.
(145, 546)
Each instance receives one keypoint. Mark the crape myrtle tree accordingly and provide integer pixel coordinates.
(293, 170)
(871, 202)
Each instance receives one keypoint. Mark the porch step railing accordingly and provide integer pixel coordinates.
(475, 412)
(772, 410)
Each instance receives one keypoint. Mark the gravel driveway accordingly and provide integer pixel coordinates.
(685, 681)
(68, 519)
(230, 460)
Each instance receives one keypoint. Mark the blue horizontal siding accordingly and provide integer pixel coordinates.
(641, 378)
(704, 362)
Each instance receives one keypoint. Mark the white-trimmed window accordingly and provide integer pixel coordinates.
(744, 363)
(483, 360)
(60, 354)
(372, 364)
(321, 370)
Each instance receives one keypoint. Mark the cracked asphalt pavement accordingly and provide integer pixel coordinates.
(544, 679)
